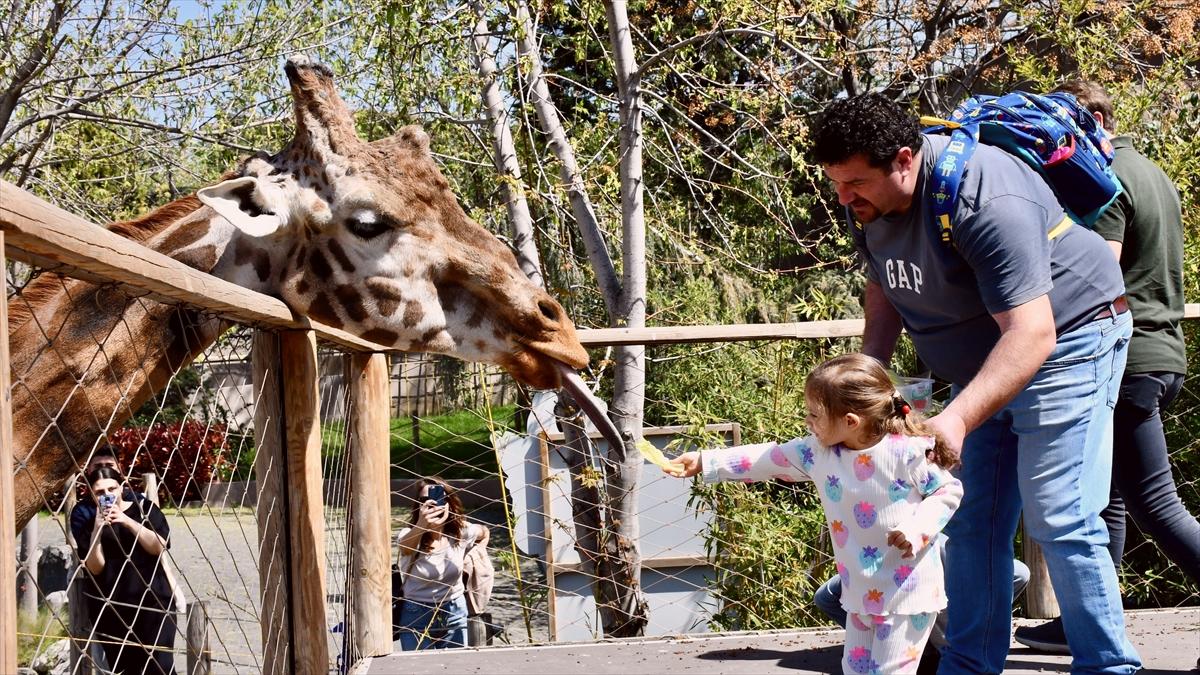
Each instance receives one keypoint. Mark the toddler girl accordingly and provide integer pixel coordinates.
(884, 500)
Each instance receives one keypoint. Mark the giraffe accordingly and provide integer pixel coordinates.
(363, 236)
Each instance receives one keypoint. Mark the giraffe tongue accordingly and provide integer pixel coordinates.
(589, 405)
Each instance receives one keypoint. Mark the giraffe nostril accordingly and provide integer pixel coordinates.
(548, 310)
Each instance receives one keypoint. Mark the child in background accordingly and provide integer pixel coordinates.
(885, 502)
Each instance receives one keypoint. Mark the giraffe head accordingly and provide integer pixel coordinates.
(369, 238)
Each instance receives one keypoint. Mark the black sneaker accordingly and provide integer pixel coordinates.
(1047, 637)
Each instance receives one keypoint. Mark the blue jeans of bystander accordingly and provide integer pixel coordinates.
(433, 626)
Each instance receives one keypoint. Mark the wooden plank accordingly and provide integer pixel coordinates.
(270, 506)
(662, 562)
(370, 504)
(666, 335)
(306, 515)
(41, 233)
(8, 510)
(199, 656)
(548, 534)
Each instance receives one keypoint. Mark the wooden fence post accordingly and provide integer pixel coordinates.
(1040, 602)
(306, 514)
(271, 504)
(150, 485)
(8, 509)
(291, 521)
(199, 656)
(370, 502)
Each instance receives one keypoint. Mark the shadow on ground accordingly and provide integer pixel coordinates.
(823, 660)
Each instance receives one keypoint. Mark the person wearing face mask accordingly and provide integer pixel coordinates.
(431, 560)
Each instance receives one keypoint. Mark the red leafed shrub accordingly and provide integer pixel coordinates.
(186, 456)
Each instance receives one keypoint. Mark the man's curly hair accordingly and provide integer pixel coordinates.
(868, 124)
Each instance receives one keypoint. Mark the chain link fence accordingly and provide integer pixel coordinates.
(186, 462)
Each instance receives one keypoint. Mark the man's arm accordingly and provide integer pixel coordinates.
(883, 324)
(1027, 337)
(1115, 246)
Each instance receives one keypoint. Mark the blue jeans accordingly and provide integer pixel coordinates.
(828, 599)
(1142, 482)
(425, 626)
(1049, 448)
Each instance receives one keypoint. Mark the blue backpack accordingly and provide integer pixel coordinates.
(1052, 133)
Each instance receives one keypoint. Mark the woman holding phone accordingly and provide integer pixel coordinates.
(135, 621)
(432, 549)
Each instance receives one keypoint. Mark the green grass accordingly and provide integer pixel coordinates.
(454, 445)
(30, 632)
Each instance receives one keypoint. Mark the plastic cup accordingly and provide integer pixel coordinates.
(918, 391)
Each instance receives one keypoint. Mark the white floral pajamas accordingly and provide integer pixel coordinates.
(865, 494)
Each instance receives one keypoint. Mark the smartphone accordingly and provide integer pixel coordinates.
(438, 494)
(106, 500)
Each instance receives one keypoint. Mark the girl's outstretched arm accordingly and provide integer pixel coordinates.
(788, 461)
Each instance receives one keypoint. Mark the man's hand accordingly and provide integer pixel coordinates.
(951, 429)
(896, 539)
(685, 465)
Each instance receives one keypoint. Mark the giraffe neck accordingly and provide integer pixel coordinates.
(86, 357)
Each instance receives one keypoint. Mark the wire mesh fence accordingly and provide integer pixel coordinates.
(98, 590)
(714, 557)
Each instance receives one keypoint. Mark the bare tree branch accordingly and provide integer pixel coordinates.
(551, 124)
(505, 153)
(37, 59)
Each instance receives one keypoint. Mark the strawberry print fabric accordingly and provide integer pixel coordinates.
(865, 493)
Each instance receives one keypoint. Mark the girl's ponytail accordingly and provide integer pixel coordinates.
(908, 422)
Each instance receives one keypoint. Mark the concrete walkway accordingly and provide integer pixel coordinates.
(1168, 641)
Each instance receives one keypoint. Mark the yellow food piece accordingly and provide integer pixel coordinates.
(653, 454)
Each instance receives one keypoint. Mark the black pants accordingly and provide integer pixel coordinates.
(138, 641)
(1142, 484)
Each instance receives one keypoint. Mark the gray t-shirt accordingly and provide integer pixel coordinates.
(1000, 258)
(437, 576)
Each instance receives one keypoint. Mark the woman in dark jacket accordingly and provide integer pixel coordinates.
(125, 546)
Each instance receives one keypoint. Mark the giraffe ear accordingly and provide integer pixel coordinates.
(235, 201)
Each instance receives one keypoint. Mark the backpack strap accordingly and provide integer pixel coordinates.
(947, 174)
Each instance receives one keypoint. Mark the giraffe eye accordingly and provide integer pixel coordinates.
(366, 227)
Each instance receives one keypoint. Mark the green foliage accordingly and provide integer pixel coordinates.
(454, 445)
(35, 634)
(772, 552)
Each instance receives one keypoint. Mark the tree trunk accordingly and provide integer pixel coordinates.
(627, 613)
(505, 156)
(581, 204)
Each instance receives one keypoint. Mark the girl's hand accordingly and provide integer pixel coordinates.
(896, 539)
(685, 465)
(432, 515)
